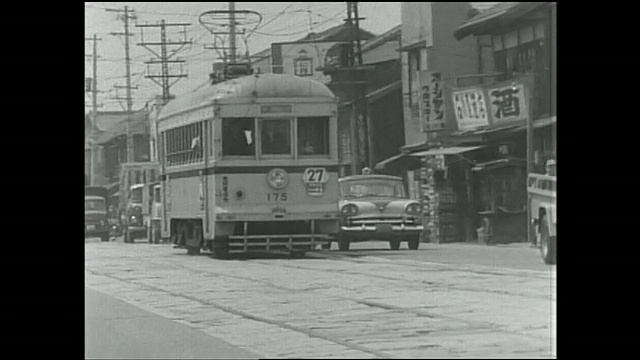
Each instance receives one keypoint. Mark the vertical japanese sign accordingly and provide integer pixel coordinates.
(432, 113)
(508, 104)
(470, 108)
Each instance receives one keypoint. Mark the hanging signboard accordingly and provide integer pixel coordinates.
(492, 106)
(431, 101)
(470, 108)
(508, 104)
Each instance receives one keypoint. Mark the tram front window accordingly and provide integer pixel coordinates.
(238, 137)
(313, 136)
(276, 137)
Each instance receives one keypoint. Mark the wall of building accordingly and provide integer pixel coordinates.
(434, 23)
(387, 124)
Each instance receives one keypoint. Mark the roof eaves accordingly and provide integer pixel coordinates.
(498, 15)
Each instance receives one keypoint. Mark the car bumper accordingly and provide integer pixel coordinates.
(378, 232)
(96, 232)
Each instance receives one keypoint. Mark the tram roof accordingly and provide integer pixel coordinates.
(261, 85)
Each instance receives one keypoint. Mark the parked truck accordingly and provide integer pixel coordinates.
(137, 181)
(95, 213)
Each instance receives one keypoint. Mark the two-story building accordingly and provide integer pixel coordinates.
(111, 138)
(466, 121)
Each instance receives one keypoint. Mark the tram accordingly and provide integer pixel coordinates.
(250, 165)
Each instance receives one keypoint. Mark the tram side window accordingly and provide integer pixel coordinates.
(275, 136)
(238, 137)
(184, 145)
(313, 135)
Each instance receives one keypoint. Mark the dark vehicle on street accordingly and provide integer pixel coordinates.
(377, 207)
(95, 213)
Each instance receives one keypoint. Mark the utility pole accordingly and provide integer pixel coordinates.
(163, 59)
(356, 69)
(232, 30)
(363, 94)
(126, 17)
(94, 103)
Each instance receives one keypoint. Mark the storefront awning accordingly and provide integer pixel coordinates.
(454, 150)
(397, 163)
(500, 163)
(412, 160)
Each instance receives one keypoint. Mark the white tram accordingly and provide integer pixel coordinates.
(250, 164)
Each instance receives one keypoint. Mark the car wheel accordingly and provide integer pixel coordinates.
(127, 236)
(547, 243)
(326, 246)
(343, 245)
(105, 238)
(394, 244)
(414, 243)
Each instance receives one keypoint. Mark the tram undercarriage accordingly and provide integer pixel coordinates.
(295, 237)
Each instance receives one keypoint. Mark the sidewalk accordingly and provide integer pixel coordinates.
(115, 329)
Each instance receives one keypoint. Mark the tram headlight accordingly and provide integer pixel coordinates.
(349, 210)
(277, 179)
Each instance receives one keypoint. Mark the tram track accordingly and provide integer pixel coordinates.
(247, 315)
(412, 311)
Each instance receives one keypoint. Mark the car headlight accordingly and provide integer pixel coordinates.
(133, 219)
(414, 209)
(349, 210)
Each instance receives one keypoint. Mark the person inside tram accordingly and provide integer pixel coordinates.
(274, 139)
(307, 148)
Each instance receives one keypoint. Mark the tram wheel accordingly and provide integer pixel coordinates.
(193, 250)
(221, 249)
(297, 254)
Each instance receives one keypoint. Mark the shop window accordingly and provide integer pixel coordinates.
(238, 137)
(275, 136)
(313, 136)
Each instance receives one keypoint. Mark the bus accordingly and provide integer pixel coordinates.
(250, 165)
(542, 201)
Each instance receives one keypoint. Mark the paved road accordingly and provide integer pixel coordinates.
(446, 301)
(514, 256)
(115, 329)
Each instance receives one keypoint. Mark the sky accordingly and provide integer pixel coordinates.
(281, 22)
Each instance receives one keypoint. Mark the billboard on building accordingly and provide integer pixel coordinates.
(508, 104)
(492, 106)
(470, 108)
(431, 101)
(304, 58)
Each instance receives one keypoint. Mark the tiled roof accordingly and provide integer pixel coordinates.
(497, 15)
(383, 38)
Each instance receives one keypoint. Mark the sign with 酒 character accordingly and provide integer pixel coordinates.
(508, 104)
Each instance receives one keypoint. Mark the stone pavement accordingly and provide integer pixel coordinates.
(366, 307)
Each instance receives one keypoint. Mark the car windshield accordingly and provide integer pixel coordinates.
(94, 205)
(362, 188)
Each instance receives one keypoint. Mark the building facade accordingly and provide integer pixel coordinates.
(111, 131)
(467, 100)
